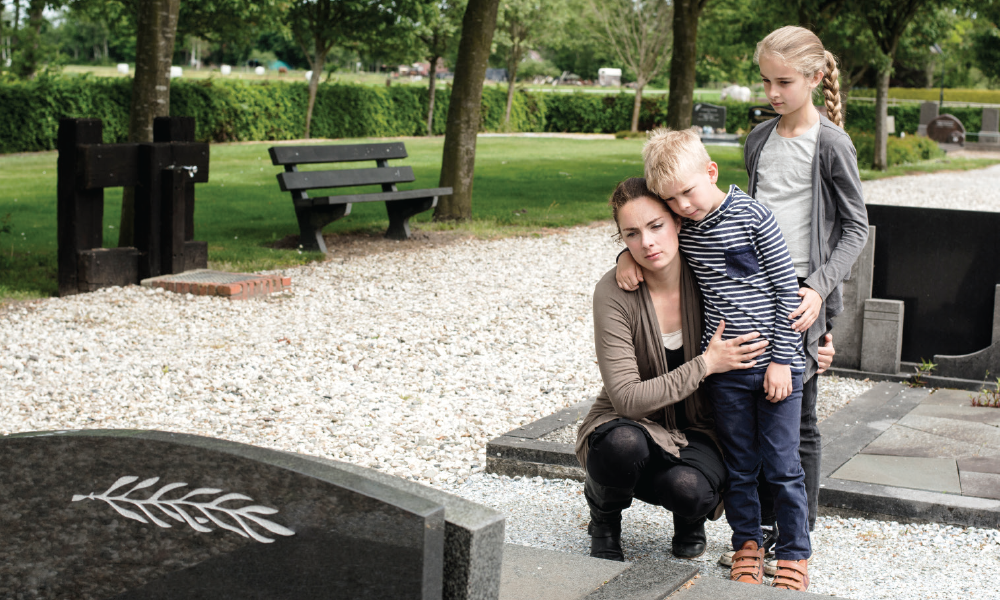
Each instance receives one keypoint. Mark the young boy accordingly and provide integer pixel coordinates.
(745, 274)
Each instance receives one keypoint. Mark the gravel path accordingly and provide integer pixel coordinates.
(409, 362)
(959, 190)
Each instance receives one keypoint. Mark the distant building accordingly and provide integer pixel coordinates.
(609, 76)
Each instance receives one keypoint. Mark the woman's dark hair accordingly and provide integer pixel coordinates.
(627, 191)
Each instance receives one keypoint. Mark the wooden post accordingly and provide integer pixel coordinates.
(80, 213)
(153, 159)
(172, 210)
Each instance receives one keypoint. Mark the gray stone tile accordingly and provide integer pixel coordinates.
(942, 397)
(980, 464)
(530, 573)
(931, 474)
(905, 441)
(713, 588)
(963, 431)
(980, 485)
(963, 412)
(646, 580)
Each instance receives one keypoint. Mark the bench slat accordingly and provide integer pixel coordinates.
(311, 180)
(305, 155)
(376, 197)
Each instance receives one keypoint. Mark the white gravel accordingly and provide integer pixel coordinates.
(967, 190)
(409, 362)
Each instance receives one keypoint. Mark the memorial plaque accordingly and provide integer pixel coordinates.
(148, 515)
(945, 266)
(946, 129)
(709, 115)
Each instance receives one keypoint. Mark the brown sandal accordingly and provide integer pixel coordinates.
(792, 575)
(748, 564)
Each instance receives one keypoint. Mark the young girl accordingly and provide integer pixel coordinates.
(804, 168)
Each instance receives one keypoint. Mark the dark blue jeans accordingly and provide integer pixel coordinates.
(757, 434)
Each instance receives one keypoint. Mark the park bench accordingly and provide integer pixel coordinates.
(315, 213)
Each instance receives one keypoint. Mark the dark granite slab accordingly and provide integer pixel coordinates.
(146, 514)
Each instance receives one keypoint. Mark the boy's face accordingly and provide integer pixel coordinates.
(694, 195)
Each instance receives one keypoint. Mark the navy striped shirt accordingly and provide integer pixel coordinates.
(746, 276)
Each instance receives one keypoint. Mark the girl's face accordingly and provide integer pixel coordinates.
(649, 230)
(787, 90)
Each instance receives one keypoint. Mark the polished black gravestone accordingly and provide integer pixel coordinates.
(130, 515)
(944, 265)
(709, 115)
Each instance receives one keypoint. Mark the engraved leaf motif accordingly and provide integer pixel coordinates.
(204, 512)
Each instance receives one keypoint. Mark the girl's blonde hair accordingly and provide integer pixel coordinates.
(801, 50)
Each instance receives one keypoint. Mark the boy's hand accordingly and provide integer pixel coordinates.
(629, 273)
(778, 382)
(807, 311)
(826, 352)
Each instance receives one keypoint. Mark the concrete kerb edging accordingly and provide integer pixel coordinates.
(931, 381)
(521, 452)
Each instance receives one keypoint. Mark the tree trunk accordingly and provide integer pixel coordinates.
(458, 159)
(432, 73)
(680, 102)
(637, 105)
(880, 162)
(317, 66)
(29, 52)
(511, 79)
(156, 28)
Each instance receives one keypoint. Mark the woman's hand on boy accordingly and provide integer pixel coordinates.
(778, 382)
(808, 309)
(726, 355)
(628, 273)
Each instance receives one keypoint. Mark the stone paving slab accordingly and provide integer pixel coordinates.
(962, 431)
(931, 474)
(943, 397)
(713, 588)
(975, 414)
(530, 573)
(646, 580)
(206, 282)
(979, 464)
(981, 485)
(904, 441)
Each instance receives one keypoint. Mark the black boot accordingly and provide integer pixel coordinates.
(605, 528)
(606, 541)
(689, 537)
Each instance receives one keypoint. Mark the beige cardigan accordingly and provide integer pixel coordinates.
(633, 365)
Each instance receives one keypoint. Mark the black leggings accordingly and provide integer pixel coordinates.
(622, 457)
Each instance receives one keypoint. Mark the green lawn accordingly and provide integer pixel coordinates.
(522, 185)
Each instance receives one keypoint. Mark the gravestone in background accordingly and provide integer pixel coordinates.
(946, 129)
(146, 515)
(945, 266)
(849, 325)
(928, 112)
(990, 131)
(709, 115)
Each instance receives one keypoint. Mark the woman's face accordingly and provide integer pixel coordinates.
(649, 230)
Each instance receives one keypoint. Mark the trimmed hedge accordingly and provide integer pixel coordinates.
(898, 150)
(228, 111)
(934, 94)
(233, 110)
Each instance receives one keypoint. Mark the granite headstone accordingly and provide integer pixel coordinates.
(928, 112)
(990, 131)
(709, 115)
(148, 515)
(945, 266)
(946, 129)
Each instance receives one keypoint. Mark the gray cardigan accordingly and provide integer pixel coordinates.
(839, 219)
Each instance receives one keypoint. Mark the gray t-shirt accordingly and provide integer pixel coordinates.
(784, 185)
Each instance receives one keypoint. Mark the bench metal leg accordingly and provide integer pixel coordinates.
(400, 212)
(312, 220)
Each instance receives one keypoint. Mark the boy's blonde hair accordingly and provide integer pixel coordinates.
(669, 155)
(801, 50)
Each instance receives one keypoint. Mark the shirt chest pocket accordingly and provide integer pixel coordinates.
(741, 262)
